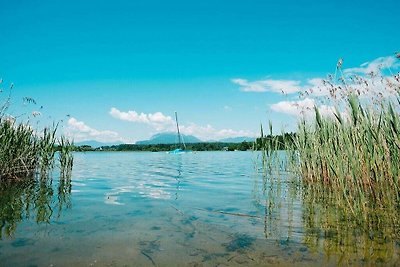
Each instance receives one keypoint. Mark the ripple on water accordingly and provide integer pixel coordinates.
(22, 242)
(147, 209)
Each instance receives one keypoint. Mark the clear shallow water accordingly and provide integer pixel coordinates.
(156, 209)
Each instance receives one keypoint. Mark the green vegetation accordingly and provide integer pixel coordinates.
(215, 146)
(358, 158)
(25, 151)
(65, 149)
(346, 166)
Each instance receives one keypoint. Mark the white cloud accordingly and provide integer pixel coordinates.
(79, 131)
(208, 132)
(302, 108)
(382, 68)
(226, 107)
(157, 120)
(312, 86)
(325, 93)
(269, 85)
(376, 66)
(163, 123)
(294, 108)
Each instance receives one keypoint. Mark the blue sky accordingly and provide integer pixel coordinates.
(120, 69)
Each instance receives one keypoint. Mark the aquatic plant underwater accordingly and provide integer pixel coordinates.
(344, 160)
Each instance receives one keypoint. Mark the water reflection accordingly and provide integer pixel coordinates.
(278, 194)
(37, 199)
(198, 210)
(329, 228)
(314, 217)
(178, 177)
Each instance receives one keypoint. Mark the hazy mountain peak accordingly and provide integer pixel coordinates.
(168, 138)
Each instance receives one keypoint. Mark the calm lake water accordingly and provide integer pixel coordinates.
(156, 209)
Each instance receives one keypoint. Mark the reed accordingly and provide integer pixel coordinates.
(353, 155)
(357, 159)
(65, 156)
(25, 151)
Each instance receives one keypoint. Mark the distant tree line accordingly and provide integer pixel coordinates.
(214, 146)
(279, 142)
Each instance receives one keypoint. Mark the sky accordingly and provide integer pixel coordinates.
(118, 70)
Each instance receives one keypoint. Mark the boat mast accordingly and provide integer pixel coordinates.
(179, 133)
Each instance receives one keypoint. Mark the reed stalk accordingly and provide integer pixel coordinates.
(25, 152)
(352, 156)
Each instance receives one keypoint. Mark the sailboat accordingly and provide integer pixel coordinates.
(182, 146)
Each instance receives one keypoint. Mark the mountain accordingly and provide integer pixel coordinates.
(95, 144)
(237, 139)
(168, 138)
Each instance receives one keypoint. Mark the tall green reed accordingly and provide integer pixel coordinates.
(65, 156)
(357, 158)
(352, 155)
(25, 151)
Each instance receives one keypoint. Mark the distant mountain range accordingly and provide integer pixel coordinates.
(168, 138)
(237, 139)
(172, 138)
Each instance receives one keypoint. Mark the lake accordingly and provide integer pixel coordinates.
(156, 209)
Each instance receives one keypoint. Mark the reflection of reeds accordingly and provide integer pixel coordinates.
(329, 230)
(31, 199)
(14, 207)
